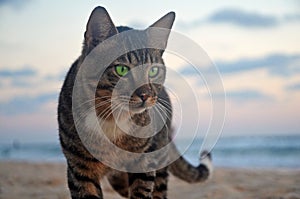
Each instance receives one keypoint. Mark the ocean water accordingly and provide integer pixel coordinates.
(251, 152)
(234, 152)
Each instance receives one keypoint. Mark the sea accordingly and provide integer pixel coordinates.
(230, 152)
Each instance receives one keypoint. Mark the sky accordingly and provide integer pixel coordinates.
(254, 44)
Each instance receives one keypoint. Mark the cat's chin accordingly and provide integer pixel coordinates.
(138, 110)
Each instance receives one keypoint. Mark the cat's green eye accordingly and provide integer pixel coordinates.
(122, 70)
(153, 71)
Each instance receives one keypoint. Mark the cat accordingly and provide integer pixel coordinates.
(84, 171)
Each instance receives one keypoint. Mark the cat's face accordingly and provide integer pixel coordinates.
(134, 80)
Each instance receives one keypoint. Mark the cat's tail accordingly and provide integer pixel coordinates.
(182, 169)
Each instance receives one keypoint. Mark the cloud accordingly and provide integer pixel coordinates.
(3, 2)
(19, 78)
(292, 17)
(190, 25)
(276, 64)
(25, 90)
(21, 83)
(294, 87)
(188, 70)
(56, 77)
(245, 95)
(243, 18)
(24, 72)
(14, 3)
(26, 104)
(28, 77)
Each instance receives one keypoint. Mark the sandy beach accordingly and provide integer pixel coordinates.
(48, 181)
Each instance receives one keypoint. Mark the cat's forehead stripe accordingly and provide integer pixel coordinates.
(139, 57)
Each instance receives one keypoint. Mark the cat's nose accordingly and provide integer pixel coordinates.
(144, 96)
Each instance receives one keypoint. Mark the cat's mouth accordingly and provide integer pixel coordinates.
(139, 106)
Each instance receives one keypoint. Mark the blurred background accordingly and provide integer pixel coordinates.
(254, 44)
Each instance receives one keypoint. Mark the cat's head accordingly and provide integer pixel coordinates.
(136, 77)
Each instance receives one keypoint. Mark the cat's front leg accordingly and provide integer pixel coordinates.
(82, 186)
(141, 185)
(161, 184)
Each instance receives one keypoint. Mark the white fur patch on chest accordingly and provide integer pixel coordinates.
(96, 125)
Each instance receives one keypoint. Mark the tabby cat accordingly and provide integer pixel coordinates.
(85, 170)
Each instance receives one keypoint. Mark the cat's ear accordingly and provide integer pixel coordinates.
(99, 27)
(165, 22)
(161, 36)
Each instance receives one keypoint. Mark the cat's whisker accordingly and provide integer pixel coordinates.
(104, 114)
(124, 97)
(115, 108)
(167, 113)
(158, 109)
(98, 105)
(168, 107)
(165, 102)
(93, 100)
(109, 111)
(82, 115)
(118, 117)
(165, 108)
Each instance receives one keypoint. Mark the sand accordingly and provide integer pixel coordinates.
(48, 181)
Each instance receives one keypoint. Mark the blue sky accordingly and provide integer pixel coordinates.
(255, 45)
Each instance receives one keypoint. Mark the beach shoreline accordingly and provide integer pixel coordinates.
(46, 180)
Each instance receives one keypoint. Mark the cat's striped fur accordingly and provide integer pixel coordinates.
(84, 170)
